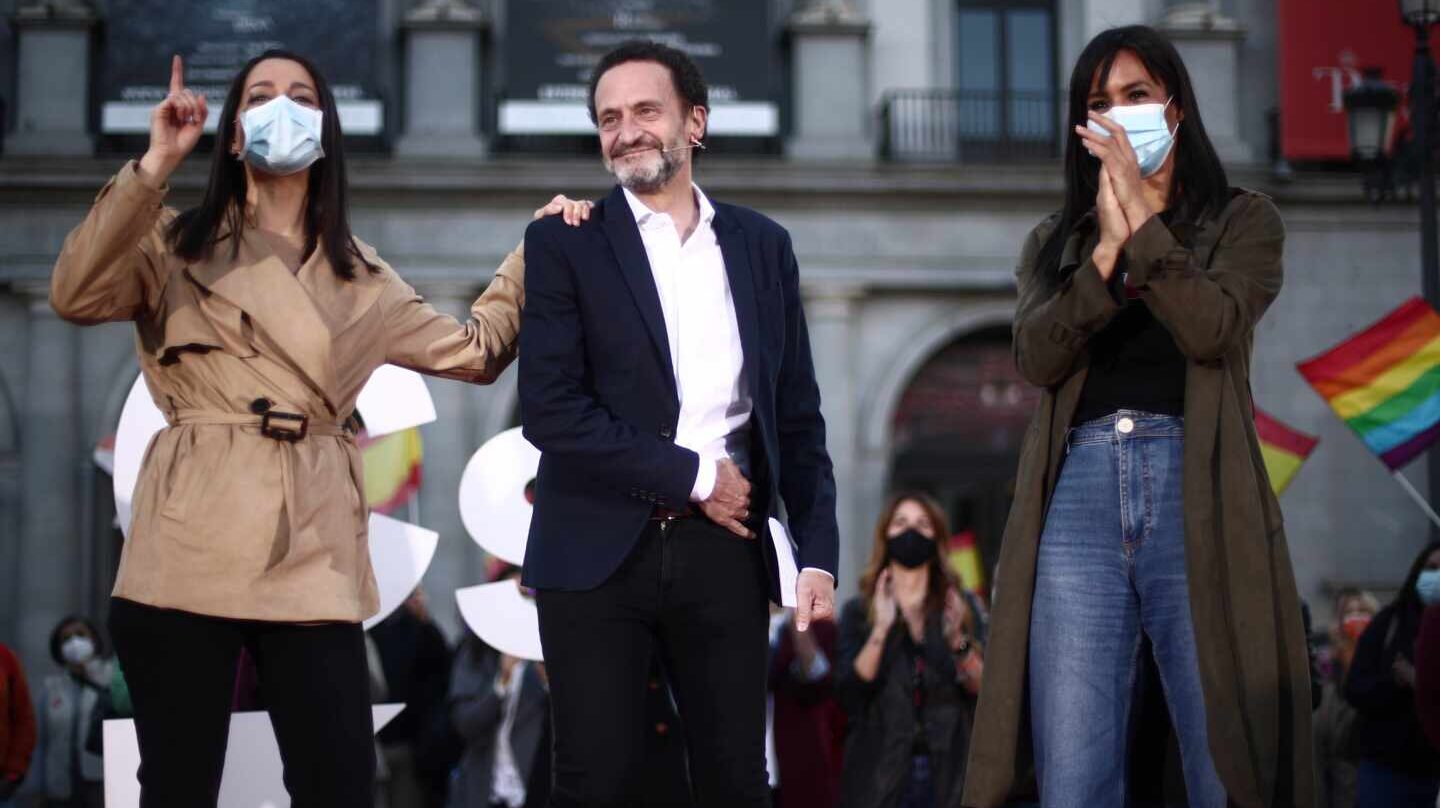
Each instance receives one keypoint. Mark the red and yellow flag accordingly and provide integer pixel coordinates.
(392, 468)
(964, 557)
(1283, 448)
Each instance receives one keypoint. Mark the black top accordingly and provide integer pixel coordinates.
(1134, 362)
(1387, 724)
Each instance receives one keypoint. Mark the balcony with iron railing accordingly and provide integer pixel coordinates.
(938, 125)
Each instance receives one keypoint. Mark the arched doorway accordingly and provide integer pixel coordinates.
(956, 433)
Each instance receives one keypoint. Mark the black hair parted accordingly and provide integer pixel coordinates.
(195, 232)
(684, 73)
(1200, 188)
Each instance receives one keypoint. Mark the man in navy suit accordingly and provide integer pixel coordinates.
(665, 375)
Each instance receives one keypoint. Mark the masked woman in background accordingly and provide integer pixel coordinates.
(258, 319)
(1142, 506)
(910, 664)
(1398, 766)
(72, 703)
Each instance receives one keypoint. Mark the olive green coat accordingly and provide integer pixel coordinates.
(1209, 290)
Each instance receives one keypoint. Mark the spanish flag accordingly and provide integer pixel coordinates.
(1384, 382)
(392, 468)
(1284, 449)
(964, 558)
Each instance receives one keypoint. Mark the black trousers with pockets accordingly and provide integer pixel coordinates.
(180, 668)
(694, 593)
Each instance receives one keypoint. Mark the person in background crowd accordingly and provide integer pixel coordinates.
(74, 700)
(1427, 674)
(1335, 763)
(1398, 766)
(1141, 509)
(909, 666)
(500, 706)
(17, 724)
(416, 662)
(808, 724)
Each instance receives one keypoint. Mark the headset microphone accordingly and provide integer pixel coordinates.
(694, 144)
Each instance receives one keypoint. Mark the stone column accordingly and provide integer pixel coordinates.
(49, 558)
(442, 80)
(1102, 14)
(52, 80)
(10, 489)
(448, 442)
(832, 110)
(830, 312)
(1209, 42)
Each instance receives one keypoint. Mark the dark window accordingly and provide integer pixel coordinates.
(1004, 104)
(1005, 65)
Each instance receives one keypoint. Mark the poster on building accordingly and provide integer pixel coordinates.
(1325, 47)
(551, 46)
(216, 39)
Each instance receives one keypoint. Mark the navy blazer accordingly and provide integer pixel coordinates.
(598, 397)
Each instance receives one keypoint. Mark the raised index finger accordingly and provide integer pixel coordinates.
(177, 74)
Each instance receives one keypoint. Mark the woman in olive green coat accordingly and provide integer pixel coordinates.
(1138, 304)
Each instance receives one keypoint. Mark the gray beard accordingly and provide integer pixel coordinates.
(642, 181)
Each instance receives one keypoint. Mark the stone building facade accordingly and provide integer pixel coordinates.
(906, 259)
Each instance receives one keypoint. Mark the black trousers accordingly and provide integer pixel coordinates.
(694, 593)
(180, 668)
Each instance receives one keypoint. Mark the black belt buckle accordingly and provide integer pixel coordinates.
(286, 426)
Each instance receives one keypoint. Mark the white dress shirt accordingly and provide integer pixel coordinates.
(704, 334)
(506, 785)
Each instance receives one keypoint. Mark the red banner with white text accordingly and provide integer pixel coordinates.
(1325, 46)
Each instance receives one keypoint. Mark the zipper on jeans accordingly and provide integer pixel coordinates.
(664, 556)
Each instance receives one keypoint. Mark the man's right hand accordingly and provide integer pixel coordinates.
(729, 503)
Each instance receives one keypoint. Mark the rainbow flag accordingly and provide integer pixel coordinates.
(1385, 382)
(392, 468)
(1284, 449)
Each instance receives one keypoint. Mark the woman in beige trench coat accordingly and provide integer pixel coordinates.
(258, 318)
(1142, 508)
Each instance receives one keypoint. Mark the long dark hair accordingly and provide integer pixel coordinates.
(194, 233)
(1407, 600)
(1200, 187)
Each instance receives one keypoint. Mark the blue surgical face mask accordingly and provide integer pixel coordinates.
(1428, 587)
(282, 137)
(1149, 133)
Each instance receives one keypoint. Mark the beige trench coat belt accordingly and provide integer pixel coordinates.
(282, 426)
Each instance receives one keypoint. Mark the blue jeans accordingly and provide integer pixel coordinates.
(1111, 570)
(920, 787)
(1379, 786)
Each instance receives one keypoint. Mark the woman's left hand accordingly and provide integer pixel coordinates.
(1118, 157)
(573, 211)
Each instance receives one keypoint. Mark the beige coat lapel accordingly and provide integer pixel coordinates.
(341, 303)
(260, 284)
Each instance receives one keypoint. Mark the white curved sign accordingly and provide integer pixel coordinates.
(495, 494)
